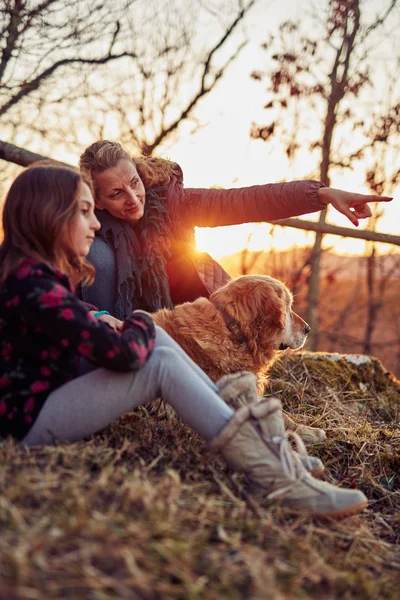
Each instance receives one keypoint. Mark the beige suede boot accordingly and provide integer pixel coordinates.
(239, 389)
(254, 442)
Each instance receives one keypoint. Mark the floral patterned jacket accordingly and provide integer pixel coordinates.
(44, 328)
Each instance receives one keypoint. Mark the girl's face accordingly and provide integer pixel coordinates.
(84, 225)
(121, 192)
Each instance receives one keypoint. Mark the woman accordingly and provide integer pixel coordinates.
(145, 254)
(49, 226)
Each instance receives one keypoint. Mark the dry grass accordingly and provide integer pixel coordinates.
(143, 511)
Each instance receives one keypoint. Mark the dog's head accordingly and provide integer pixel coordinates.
(262, 307)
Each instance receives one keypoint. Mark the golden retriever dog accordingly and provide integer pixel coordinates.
(240, 327)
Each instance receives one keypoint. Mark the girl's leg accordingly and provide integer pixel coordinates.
(91, 402)
(165, 340)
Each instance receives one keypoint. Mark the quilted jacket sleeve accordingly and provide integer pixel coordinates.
(269, 202)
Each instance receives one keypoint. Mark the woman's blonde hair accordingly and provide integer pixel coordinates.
(40, 204)
(103, 155)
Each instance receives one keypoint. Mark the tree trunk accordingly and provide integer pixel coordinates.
(314, 280)
(315, 260)
(339, 80)
(313, 289)
(371, 307)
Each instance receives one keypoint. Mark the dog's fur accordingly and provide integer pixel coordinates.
(240, 327)
(260, 308)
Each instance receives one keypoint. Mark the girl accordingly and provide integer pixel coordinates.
(49, 226)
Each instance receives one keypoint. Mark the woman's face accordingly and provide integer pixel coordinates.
(121, 191)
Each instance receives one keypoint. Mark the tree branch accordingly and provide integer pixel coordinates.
(34, 84)
(379, 21)
(20, 156)
(204, 89)
(372, 236)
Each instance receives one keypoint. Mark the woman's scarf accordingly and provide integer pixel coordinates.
(141, 255)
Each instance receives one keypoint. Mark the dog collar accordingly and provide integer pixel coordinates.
(233, 326)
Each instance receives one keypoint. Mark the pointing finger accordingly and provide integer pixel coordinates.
(380, 199)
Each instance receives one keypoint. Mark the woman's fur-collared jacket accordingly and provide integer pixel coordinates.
(192, 274)
(187, 273)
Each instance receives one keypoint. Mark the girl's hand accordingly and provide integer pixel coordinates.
(114, 323)
(353, 206)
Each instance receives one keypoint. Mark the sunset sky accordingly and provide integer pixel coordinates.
(221, 153)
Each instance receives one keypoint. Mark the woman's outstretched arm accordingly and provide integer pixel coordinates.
(269, 202)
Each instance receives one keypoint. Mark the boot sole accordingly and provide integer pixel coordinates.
(344, 512)
(339, 514)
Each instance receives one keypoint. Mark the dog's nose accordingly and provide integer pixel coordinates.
(307, 329)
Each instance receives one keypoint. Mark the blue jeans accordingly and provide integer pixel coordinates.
(102, 257)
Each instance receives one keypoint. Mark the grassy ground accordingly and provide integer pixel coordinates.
(143, 511)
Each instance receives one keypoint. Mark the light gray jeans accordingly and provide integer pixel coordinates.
(89, 403)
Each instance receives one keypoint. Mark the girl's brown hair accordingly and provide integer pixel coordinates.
(40, 205)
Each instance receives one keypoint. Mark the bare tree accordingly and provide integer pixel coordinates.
(176, 68)
(50, 41)
(131, 69)
(345, 315)
(248, 258)
(325, 71)
(381, 177)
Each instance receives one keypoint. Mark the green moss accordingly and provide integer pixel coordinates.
(309, 378)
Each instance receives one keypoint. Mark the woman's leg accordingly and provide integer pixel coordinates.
(102, 291)
(91, 402)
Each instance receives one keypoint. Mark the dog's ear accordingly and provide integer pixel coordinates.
(249, 297)
(268, 322)
(268, 306)
(254, 301)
